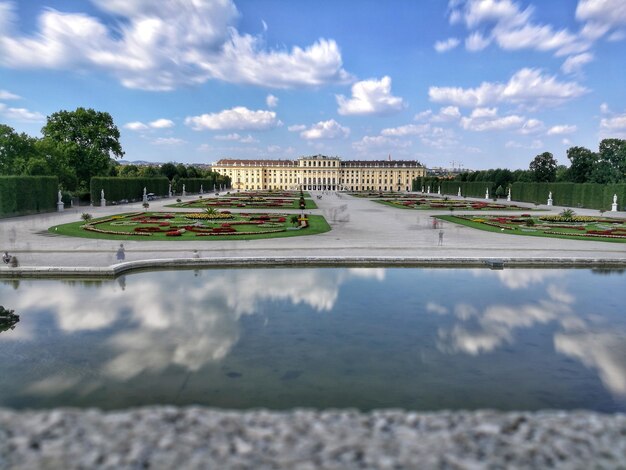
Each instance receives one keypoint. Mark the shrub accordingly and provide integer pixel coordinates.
(86, 216)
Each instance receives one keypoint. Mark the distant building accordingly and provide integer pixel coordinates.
(321, 173)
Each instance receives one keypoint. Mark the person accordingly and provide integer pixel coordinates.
(6, 257)
(120, 252)
(440, 237)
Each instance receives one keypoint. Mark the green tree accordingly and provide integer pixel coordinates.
(582, 162)
(543, 168)
(611, 167)
(15, 151)
(149, 171)
(129, 171)
(90, 138)
(168, 170)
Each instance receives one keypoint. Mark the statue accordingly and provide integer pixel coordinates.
(60, 205)
(550, 198)
(508, 197)
(459, 193)
(487, 194)
(103, 201)
(614, 205)
(102, 194)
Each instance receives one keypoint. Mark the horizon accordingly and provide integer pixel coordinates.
(474, 83)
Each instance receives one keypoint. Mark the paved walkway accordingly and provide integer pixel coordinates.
(361, 228)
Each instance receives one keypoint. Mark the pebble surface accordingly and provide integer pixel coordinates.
(199, 438)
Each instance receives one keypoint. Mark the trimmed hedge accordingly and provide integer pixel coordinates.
(192, 185)
(20, 195)
(451, 187)
(587, 195)
(116, 188)
(469, 188)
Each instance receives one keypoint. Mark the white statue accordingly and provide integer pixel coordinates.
(102, 194)
(508, 197)
(428, 190)
(60, 198)
(614, 198)
(144, 191)
(459, 193)
(487, 194)
(60, 205)
(439, 190)
(550, 198)
(614, 205)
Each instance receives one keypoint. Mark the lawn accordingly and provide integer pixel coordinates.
(192, 226)
(551, 226)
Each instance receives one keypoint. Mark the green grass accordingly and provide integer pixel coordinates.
(538, 233)
(317, 224)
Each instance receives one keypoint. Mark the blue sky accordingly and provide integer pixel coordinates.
(481, 83)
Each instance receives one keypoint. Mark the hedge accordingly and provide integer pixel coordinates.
(587, 195)
(20, 195)
(468, 188)
(116, 188)
(192, 185)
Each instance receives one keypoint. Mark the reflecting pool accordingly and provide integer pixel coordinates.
(423, 339)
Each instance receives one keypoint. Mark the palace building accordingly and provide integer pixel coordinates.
(320, 173)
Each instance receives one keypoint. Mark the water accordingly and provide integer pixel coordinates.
(423, 339)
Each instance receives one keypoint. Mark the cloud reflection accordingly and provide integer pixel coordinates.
(176, 319)
(481, 331)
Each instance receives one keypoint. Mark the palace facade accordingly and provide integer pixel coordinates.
(320, 173)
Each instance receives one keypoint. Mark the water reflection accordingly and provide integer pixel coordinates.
(8, 319)
(414, 338)
(170, 322)
(482, 331)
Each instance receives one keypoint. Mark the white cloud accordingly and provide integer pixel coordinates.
(424, 115)
(233, 136)
(447, 114)
(296, 128)
(238, 118)
(607, 12)
(271, 101)
(604, 108)
(248, 140)
(476, 42)
(21, 114)
(156, 124)
(511, 27)
(378, 142)
(574, 63)
(527, 86)
(135, 126)
(561, 129)
(168, 141)
(370, 97)
(330, 129)
(534, 145)
(162, 45)
(484, 113)
(531, 126)
(7, 95)
(409, 129)
(448, 44)
(617, 123)
(161, 124)
(489, 122)
(566, 141)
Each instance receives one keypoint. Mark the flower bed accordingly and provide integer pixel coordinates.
(580, 227)
(177, 225)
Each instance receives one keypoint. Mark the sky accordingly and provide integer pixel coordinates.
(472, 84)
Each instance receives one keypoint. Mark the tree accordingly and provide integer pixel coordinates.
(168, 170)
(543, 168)
(129, 171)
(90, 138)
(15, 150)
(611, 166)
(582, 161)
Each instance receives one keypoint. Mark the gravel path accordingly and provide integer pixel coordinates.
(198, 438)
